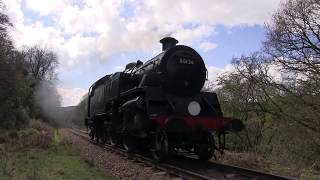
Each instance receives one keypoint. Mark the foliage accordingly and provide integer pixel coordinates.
(276, 91)
(56, 160)
(22, 74)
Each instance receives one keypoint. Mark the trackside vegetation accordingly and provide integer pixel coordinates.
(45, 156)
(275, 91)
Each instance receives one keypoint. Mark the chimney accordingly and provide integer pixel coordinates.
(168, 42)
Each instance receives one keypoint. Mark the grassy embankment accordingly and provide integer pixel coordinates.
(41, 153)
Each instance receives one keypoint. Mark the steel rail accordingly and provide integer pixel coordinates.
(176, 169)
(169, 169)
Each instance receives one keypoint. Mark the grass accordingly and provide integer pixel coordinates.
(58, 161)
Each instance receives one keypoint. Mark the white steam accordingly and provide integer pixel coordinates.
(48, 101)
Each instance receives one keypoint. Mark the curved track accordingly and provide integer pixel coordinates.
(189, 167)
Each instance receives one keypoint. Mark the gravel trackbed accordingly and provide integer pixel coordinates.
(114, 164)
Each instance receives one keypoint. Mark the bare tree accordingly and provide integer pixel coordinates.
(41, 63)
(5, 41)
(293, 38)
(293, 41)
(4, 20)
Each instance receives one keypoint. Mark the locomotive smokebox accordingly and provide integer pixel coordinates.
(168, 42)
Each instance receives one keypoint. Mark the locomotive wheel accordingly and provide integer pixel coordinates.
(160, 148)
(128, 143)
(205, 150)
(99, 135)
(91, 134)
(113, 138)
(98, 138)
(104, 138)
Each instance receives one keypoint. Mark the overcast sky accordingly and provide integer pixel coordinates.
(96, 37)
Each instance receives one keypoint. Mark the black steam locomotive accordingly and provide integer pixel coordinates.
(159, 105)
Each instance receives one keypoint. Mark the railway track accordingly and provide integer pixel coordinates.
(188, 167)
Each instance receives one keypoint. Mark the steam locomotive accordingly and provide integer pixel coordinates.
(158, 105)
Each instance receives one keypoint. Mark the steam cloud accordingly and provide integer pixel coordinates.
(48, 100)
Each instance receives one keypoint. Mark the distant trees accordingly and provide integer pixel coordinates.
(22, 74)
(74, 115)
(276, 91)
(80, 112)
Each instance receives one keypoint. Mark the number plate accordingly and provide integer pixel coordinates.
(186, 61)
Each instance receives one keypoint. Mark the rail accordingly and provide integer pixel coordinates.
(190, 168)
